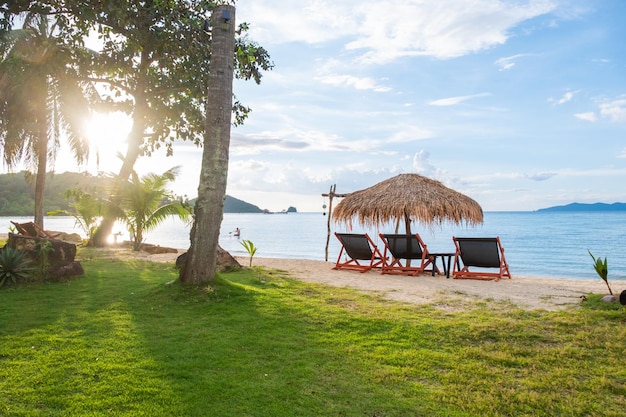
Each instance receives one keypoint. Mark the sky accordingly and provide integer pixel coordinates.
(519, 104)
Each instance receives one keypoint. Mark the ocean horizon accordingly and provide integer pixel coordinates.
(546, 244)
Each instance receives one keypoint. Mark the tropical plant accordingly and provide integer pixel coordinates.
(88, 208)
(602, 269)
(13, 266)
(41, 100)
(44, 247)
(146, 203)
(153, 62)
(250, 248)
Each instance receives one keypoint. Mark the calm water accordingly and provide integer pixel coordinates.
(541, 244)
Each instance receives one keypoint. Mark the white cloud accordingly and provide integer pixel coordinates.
(564, 99)
(422, 165)
(541, 176)
(409, 134)
(451, 101)
(359, 83)
(438, 29)
(508, 62)
(373, 29)
(614, 110)
(589, 116)
(622, 154)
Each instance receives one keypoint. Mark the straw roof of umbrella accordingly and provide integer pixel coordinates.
(408, 197)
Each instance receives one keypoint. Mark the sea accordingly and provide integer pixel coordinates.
(546, 244)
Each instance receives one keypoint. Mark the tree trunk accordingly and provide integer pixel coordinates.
(200, 265)
(40, 182)
(133, 149)
(41, 154)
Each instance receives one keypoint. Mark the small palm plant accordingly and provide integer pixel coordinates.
(249, 246)
(87, 208)
(13, 266)
(146, 203)
(602, 269)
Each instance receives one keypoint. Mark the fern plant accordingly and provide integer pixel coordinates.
(13, 266)
(249, 246)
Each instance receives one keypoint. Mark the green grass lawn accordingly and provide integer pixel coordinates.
(126, 339)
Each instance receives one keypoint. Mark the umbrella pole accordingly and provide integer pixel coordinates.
(407, 225)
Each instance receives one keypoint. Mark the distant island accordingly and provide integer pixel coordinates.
(234, 205)
(586, 207)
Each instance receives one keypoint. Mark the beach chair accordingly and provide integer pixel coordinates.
(403, 250)
(31, 229)
(360, 251)
(479, 252)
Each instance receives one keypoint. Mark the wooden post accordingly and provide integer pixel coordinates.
(330, 195)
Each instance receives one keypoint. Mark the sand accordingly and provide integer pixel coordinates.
(522, 291)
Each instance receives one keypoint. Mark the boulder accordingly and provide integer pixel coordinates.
(60, 257)
(156, 250)
(225, 260)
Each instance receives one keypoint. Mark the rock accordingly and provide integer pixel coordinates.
(155, 250)
(73, 269)
(60, 258)
(609, 298)
(69, 237)
(225, 260)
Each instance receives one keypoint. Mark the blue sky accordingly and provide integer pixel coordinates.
(518, 104)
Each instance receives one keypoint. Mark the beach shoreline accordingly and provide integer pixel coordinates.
(526, 292)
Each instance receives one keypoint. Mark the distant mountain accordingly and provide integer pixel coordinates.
(16, 195)
(234, 205)
(587, 207)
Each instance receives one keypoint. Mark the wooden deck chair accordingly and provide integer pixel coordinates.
(31, 229)
(400, 251)
(479, 252)
(360, 249)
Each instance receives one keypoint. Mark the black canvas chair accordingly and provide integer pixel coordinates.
(360, 251)
(479, 252)
(404, 254)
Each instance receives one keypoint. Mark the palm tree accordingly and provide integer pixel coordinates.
(146, 203)
(41, 100)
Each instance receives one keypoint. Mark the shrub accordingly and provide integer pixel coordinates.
(13, 266)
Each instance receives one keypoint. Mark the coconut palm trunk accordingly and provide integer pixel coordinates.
(201, 261)
(41, 98)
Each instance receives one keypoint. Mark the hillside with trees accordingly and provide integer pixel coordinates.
(17, 195)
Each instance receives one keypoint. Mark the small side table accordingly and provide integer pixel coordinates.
(446, 260)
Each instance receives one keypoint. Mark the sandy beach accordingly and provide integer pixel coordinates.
(524, 292)
(521, 291)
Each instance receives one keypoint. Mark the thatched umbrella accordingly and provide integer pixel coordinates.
(408, 197)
